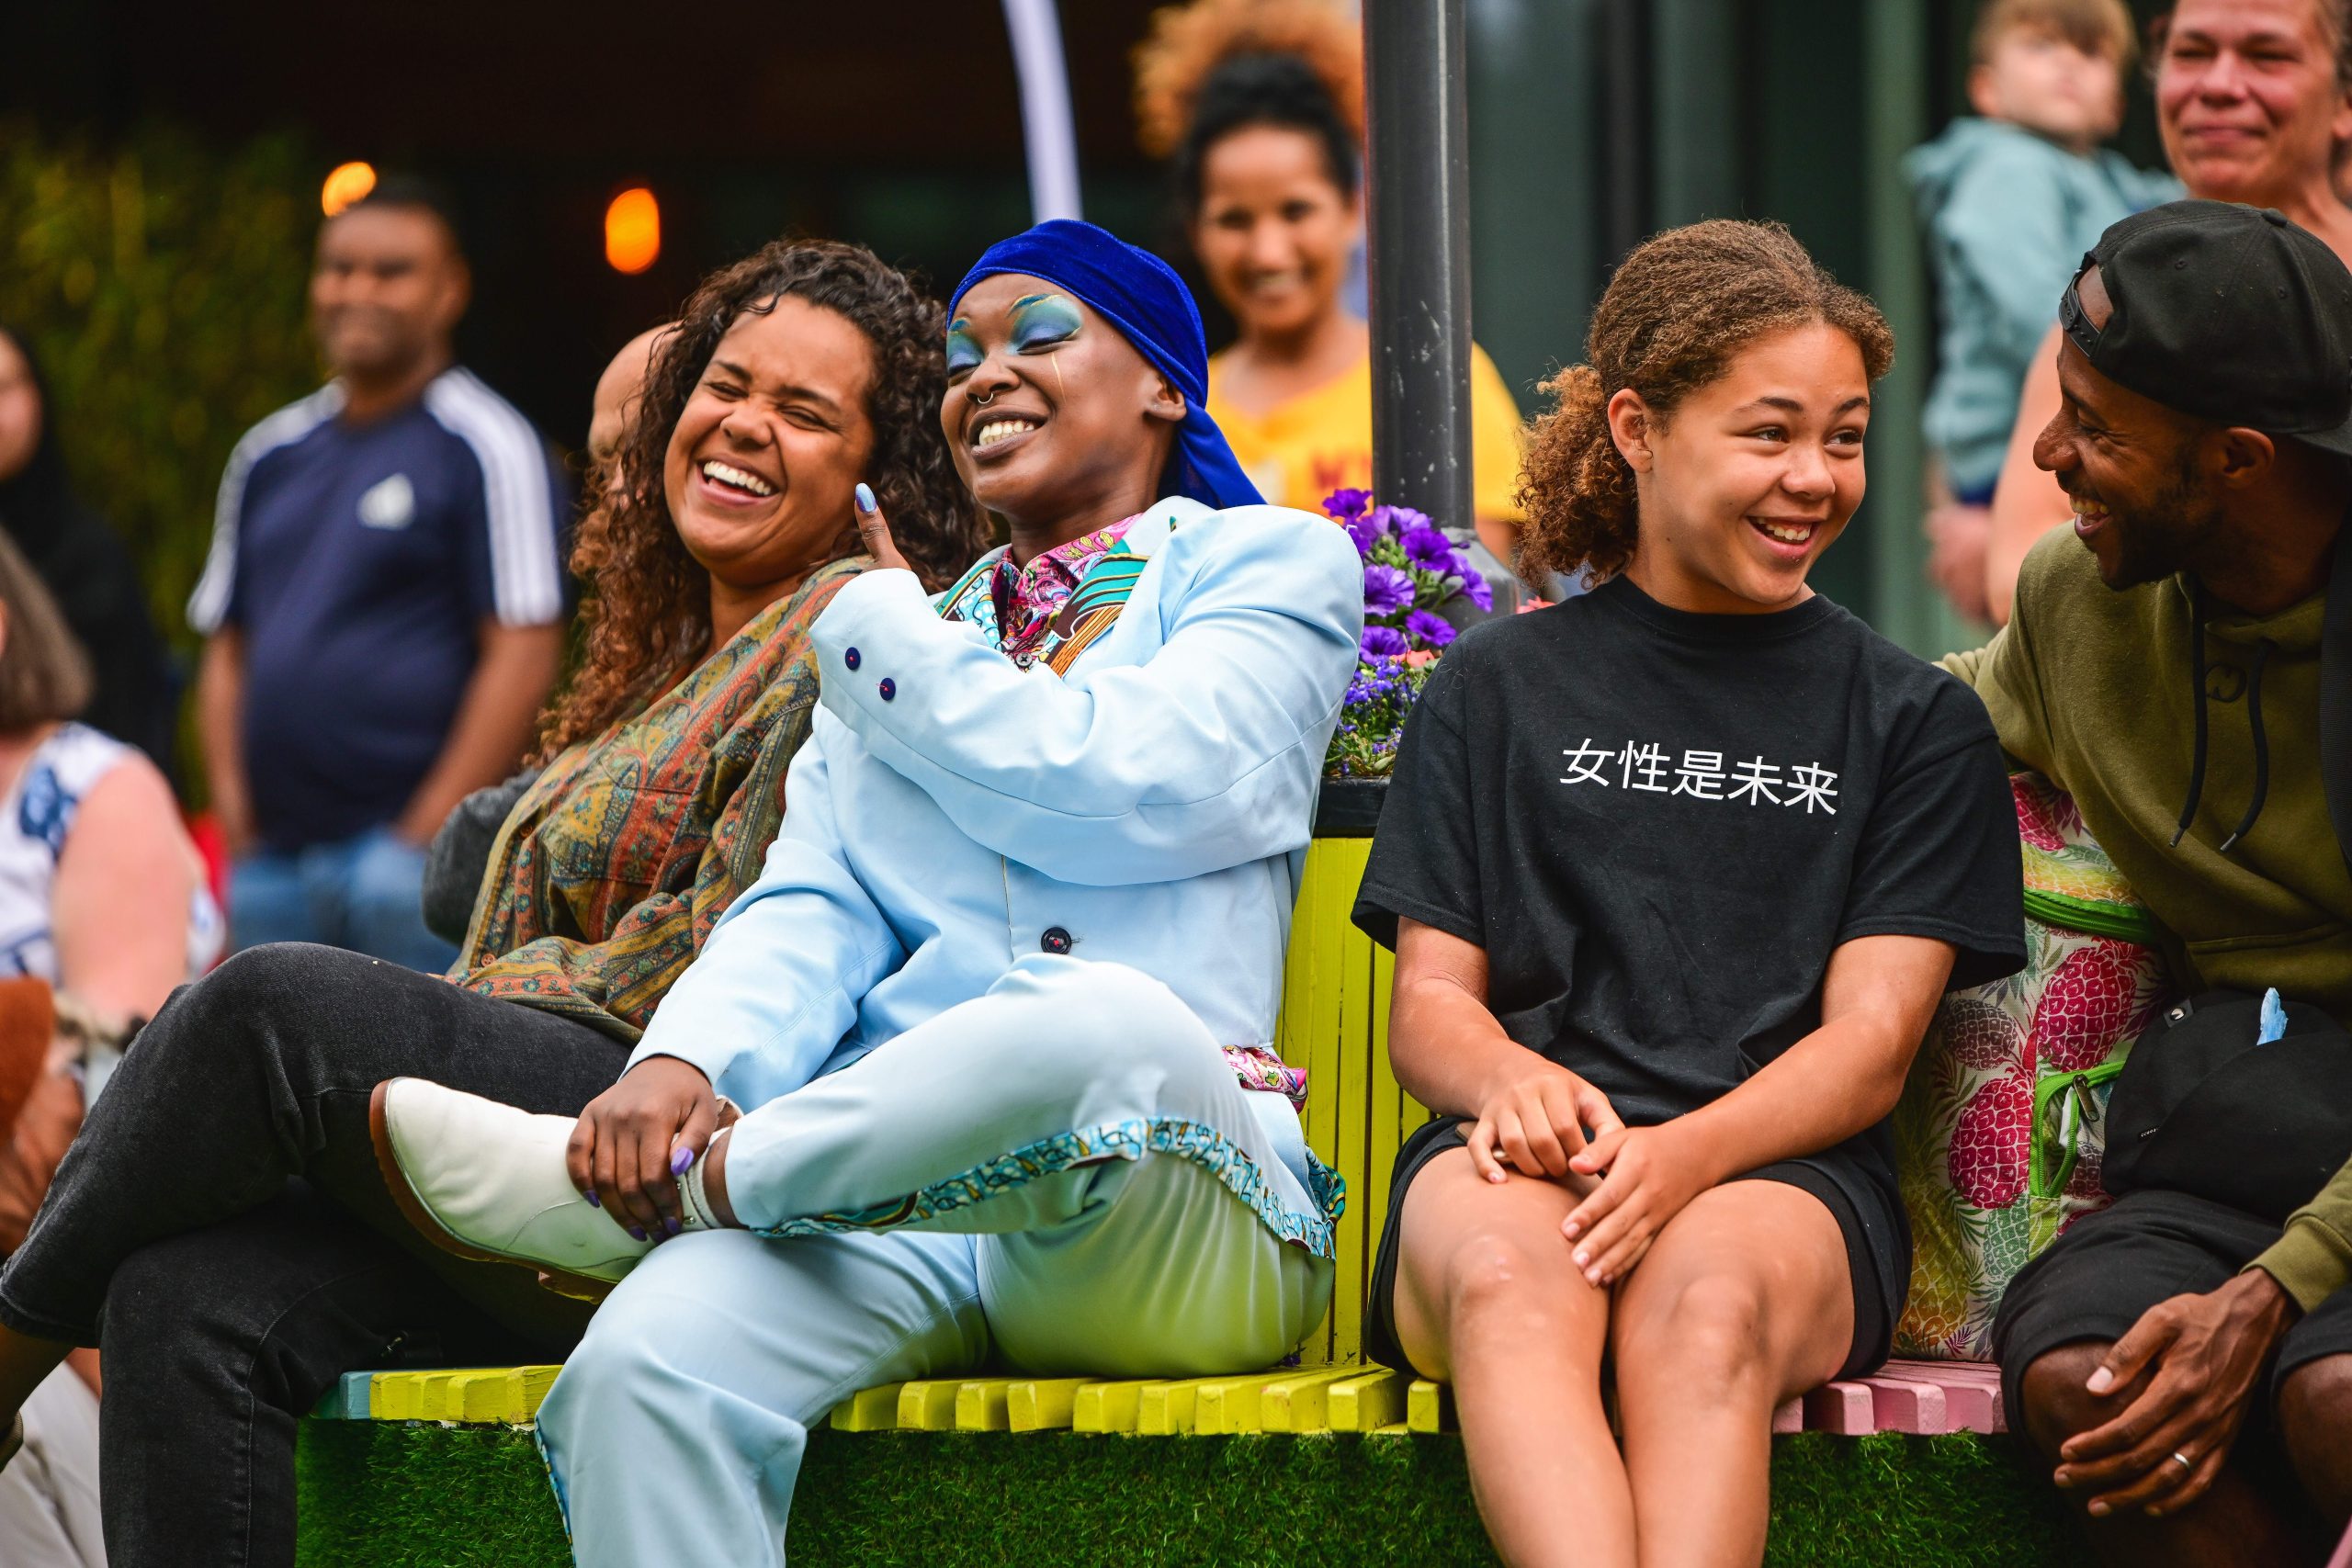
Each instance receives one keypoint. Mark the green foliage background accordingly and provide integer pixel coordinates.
(160, 281)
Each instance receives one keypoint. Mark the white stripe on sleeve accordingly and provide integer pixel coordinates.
(527, 582)
(208, 605)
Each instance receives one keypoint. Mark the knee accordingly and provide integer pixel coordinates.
(258, 987)
(1502, 1285)
(2315, 1422)
(2057, 1404)
(1109, 1016)
(1711, 1335)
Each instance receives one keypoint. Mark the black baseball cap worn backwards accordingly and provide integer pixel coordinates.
(2225, 312)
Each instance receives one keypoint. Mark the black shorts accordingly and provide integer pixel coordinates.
(1870, 1218)
(2094, 1283)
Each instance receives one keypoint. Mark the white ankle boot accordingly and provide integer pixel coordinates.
(487, 1181)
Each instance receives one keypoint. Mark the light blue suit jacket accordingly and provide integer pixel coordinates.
(1153, 807)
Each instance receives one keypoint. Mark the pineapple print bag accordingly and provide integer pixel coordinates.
(2000, 1134)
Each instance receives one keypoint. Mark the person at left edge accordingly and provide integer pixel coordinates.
(381, 602)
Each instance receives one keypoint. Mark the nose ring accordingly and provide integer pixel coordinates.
(984, 401)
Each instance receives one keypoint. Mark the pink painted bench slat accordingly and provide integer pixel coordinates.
(1921, 1397)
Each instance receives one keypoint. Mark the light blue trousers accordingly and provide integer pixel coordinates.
(1061, 1176)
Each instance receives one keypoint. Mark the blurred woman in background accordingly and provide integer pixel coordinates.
(133, 696)
(103, 911)
(1259, 105)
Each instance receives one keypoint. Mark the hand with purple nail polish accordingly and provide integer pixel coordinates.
(873, 531)
(637, 1137)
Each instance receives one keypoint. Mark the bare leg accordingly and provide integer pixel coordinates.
(2231, 1526)
(1743, 1301)
(1488, 1297)
(2315, 1422)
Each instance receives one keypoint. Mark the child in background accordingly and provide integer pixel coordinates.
(2011, 200)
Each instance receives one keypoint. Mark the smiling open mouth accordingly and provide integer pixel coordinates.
(1787, 533)
(733, 478)
(997, 429)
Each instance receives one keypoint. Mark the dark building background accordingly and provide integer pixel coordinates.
(896, 123)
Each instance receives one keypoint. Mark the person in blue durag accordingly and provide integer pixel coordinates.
(981, 1070)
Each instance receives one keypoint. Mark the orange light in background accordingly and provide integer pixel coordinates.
(633, 231)
(346, 185)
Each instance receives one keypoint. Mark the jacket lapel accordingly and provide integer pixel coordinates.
(1102, 594)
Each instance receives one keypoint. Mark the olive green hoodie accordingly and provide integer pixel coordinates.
(2097, 691)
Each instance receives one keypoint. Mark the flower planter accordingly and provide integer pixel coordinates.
(1349, 809)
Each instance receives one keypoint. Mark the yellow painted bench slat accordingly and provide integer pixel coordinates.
(869, 1410)
(1042, 1404)
(1367, 1400)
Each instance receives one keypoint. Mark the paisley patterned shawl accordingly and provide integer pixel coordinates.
(607, 876)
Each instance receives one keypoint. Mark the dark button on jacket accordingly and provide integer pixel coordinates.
(1056, 940)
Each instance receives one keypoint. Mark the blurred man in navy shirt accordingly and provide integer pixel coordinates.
(382, 601)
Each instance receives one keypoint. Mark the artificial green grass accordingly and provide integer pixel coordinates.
(416, 1495)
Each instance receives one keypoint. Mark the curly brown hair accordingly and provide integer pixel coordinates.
(647, 619)
(1189, 42)
(1682, 306)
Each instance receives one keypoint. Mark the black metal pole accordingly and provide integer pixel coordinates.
(1625, 128)
(1418, 132)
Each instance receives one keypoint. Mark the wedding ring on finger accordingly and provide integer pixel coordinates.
(2182, 1460)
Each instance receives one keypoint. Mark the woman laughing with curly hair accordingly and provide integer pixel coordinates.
(217, 1224)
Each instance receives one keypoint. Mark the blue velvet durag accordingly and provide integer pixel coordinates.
(1140, 295)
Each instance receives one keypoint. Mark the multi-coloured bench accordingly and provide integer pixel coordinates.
(1327, 1461)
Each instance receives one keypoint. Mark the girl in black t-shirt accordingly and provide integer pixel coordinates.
(1676, 874)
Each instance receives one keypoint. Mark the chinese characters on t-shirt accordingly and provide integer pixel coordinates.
(1702, 775)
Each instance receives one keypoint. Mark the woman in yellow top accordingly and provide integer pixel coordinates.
(1260, 103)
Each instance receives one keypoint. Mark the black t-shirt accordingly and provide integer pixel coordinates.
(1659, 824)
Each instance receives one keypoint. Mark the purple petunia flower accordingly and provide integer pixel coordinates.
(1383, 642)
(1361, 531)
(1387, 590)
(1433, 630)
(1346, 504)
(1430, 549)
(1476, 588)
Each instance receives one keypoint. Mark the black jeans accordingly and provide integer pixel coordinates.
(220, 1230)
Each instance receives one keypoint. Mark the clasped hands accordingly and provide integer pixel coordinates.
(1544, 1122)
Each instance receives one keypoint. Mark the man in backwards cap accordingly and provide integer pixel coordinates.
(1000, 1010)
(2183, 668)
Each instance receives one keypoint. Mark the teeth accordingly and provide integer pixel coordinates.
(1787, 533)
(727, 474)
(998, 430)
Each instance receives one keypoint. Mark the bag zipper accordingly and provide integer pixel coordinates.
(2064, 1108)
